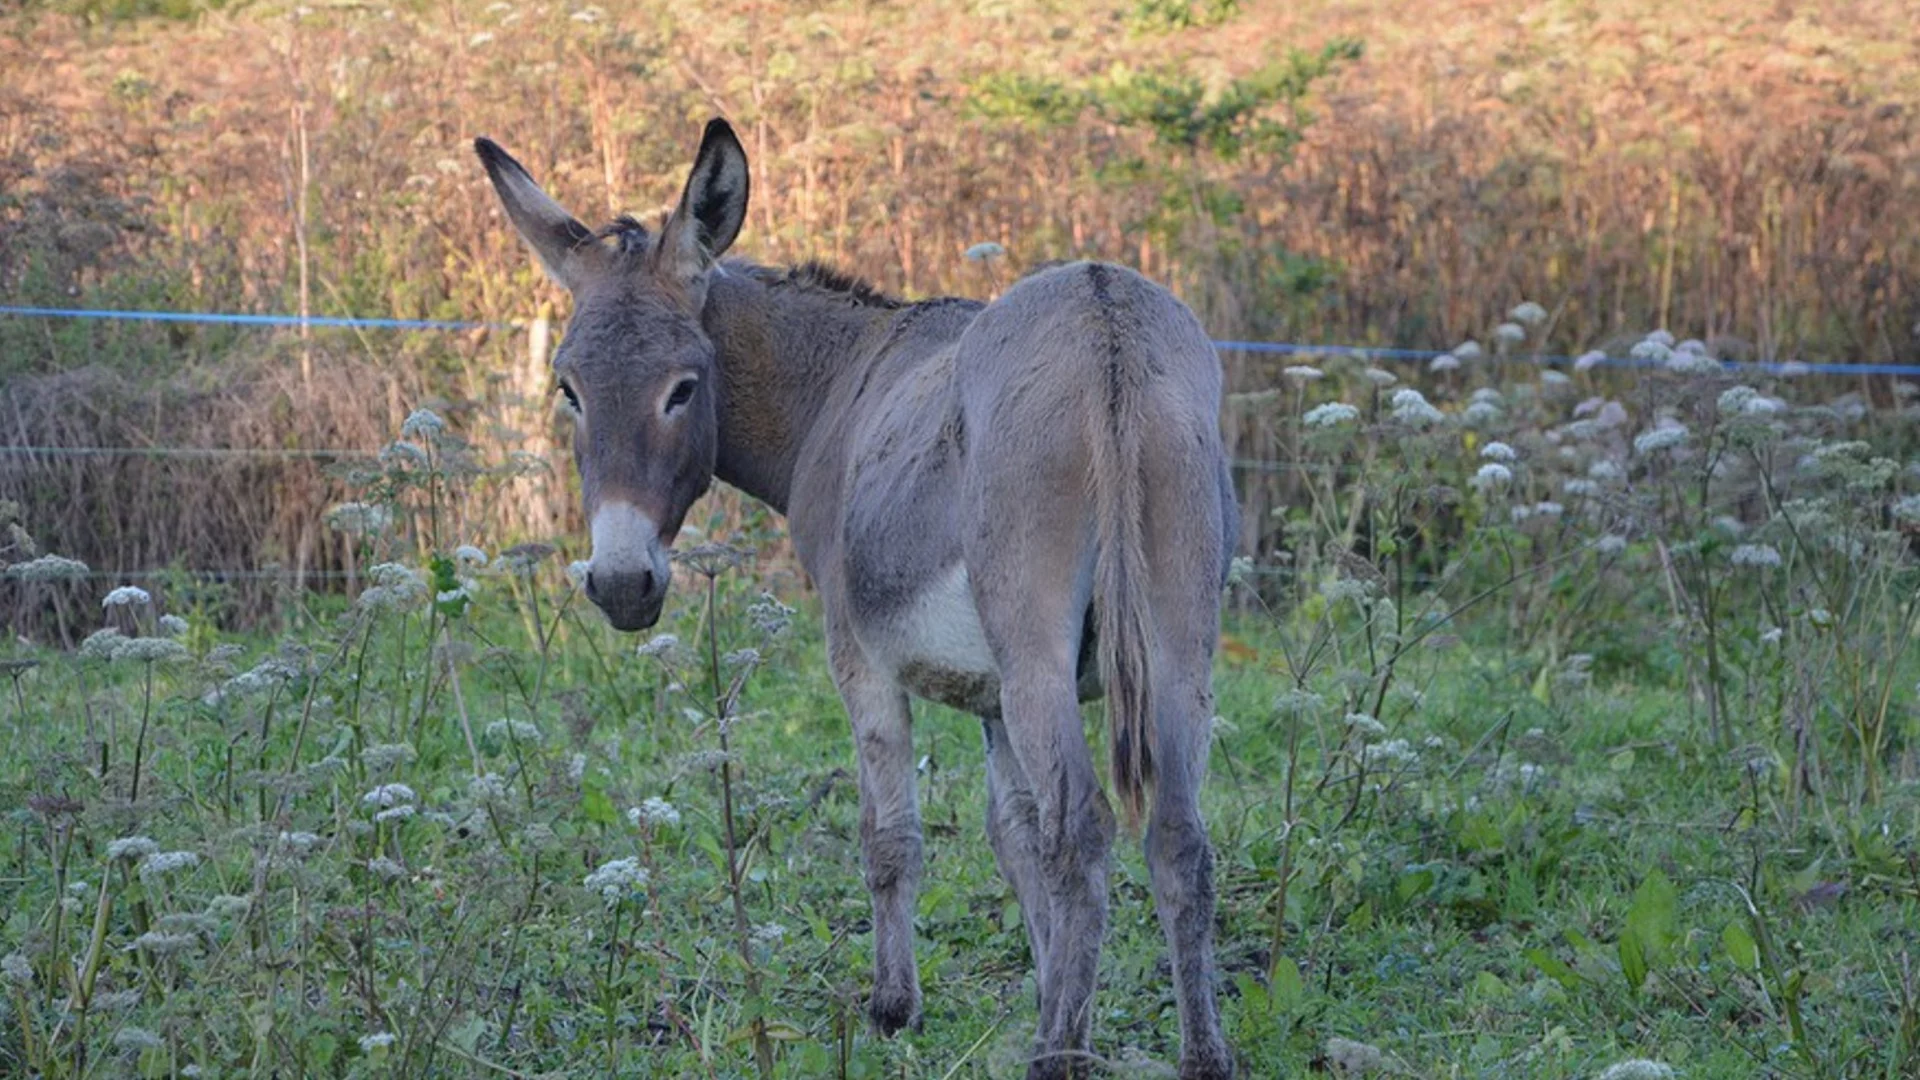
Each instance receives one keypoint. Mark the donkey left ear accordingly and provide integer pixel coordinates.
(712, 208)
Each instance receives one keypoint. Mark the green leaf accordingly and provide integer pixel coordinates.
(594, 803)
(1653, 915)
(1554, 968)
(1633, 960)
(1412, 884)
(1289, 989)
(1740, 946)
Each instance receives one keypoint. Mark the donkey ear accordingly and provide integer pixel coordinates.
(553, 233)
(712, 208)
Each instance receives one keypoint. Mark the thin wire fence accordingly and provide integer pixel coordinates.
(1785, 369)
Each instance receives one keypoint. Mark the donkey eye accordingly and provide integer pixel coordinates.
(682, 393)
(573, 401)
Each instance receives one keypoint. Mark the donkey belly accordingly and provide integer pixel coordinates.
(937, 648)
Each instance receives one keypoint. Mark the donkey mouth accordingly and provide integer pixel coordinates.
(630, 602)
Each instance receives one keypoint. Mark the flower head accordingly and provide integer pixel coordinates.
(1380, 377)
(1589, 360)
(1303, 373)
(1410, 407)
(1491, 475)
(616, 880)
(387, 795)
(131, 848)
(48, 568)
(1498, 451)
(469, 558)
(1444, 362)
(1508, 334)
(1761, 555)
(983, 251)
(422, 424)
(127, 595)
(1665, 437)
(1528, 314)
(1468, 350)
(1637, 1069)
(1332, 414)
(655, 812)
(162, 863)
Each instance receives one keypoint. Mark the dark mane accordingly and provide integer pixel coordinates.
(818, 277)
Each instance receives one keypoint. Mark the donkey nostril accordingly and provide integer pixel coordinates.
(646, 583)
(587, 586)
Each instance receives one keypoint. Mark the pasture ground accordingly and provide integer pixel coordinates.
(1527, 874)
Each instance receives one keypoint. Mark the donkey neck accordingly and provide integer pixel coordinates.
(780, 347)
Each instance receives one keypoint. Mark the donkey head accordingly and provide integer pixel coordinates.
(636, 367)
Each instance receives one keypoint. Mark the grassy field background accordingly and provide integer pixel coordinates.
(1569, 712)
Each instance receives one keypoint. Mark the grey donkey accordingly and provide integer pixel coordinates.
(1007, 508)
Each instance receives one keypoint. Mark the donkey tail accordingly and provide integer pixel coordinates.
(1124, 619)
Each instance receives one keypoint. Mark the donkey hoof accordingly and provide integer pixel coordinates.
(1208, 1063)
(892, 1010)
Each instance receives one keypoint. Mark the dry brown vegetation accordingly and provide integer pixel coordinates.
(1733, 170)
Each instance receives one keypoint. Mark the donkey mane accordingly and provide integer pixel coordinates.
(823, 280)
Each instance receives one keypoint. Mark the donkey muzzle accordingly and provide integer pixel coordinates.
(628, 575)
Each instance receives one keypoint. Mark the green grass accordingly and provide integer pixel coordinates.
(1463, 914)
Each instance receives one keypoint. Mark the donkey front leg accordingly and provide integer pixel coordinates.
(889, 832)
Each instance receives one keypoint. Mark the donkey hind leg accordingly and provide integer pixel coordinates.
(889, 832)
(1181, 864)
(1013, 829)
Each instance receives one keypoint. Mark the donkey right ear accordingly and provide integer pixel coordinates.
(554, 234)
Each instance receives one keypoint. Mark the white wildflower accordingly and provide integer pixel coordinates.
(469, 558)
(1411, 407)
(1652, 352)
(1391, 752)
(1907, 508)
(1498, 451)
(385, 868)
(229, 906)
(422, 424)
(383, 756)
(1637, 1069)
(660, 647)
(577, 767)
(1297, 702)
(1302, 373)
(1820, 617)
(616, 880)
(1654, 440)
(401, 454)
(1689, 362)
(1578, 488)
(1554, 379)
(16, 969)
(1379, 377)
(1528, 314)
(983, 251)
(577, 573)
(1444, 362)
(396, 813)
(1662, 338)
(387, 795)
(131, 848)
(1480, 414)
(379, 1040)
(127, 595)
(513, 731)
(1332, 414)
(101, 644)
(1350, 1058)
(359, 519)
(1762, 555)
(162, 863)
(655, 813)
(1733, 400)
(1365, 726)
(48, 568)
(491, 788)
(151, 650)
(1766, 406)
(1589, 360)
(302, 842)
(1610, 544)
(173, 625)
(1509, 334)
(161, 943)
(1468, 350)
(133, 1040)
(1491, 475)
(1549, 508)
(769, 934)
(1771, 635)
(1605, 470)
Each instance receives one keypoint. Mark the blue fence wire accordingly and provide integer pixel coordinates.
(1787, 368)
